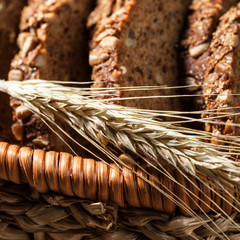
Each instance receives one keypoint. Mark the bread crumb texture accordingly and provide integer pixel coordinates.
(134, 43)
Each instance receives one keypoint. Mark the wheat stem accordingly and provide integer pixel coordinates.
(124, 127)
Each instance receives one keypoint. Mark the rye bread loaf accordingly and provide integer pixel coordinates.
(222, 76)
(53, 46)
(9, 20)
(134, 43)
(202, 22)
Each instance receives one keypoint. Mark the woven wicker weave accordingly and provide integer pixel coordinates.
(30, 209)
(52, 196)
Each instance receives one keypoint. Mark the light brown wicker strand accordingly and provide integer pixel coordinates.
(97, 181)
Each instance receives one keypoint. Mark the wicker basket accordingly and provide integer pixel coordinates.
(50, 195)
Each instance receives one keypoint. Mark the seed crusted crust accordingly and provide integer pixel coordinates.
(44, 25)
(222, 78)
(202, 23)
(107, 21)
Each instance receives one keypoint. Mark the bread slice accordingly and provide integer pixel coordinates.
(9, 20)
(202, 22)
(134, 43)
(222, 76)
(10, 11)
(53, 46)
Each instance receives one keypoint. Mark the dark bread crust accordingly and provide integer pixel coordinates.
(129, 43)
(53, 46)
(222, 78)
(9, 20)
(10, 11)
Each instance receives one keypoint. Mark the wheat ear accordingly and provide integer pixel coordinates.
(122, 126)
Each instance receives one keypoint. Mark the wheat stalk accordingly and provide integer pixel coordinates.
(124, 127)
(133, 129)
